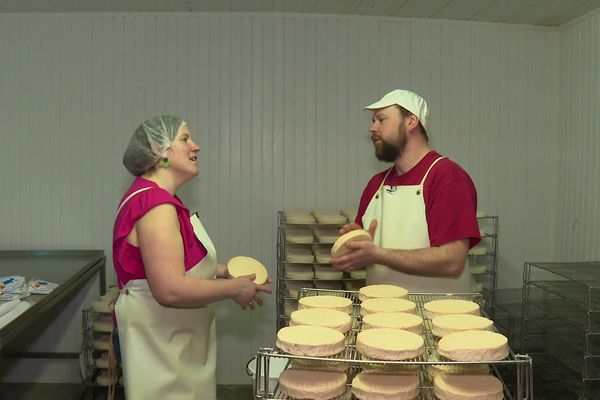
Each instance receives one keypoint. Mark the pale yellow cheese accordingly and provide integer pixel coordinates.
(389, 344)
(371, 306)
(327, 272)
(312, 384)
(359, 274)
(293, 287)
(299, 271)
(333, 302)
(338, 320)
(242, 266)
(374, 386)
(436, 308)
(409, 322)
(339, 247)
(451, 323)
(382, 291)
(474, 346)
(307, 340)
(467, 387)
(299, 235)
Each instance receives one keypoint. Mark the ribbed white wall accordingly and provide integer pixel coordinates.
(275, 101)
(579, 113)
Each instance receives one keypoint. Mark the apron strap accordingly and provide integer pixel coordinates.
(131, 196)
(427, 173)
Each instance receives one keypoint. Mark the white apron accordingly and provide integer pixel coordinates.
(402, 224)
(168, 353)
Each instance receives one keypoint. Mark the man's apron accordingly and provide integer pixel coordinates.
(402, 224)
(168, 353)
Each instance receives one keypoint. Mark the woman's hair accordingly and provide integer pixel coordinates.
(150, 142)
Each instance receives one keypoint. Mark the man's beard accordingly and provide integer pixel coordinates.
(390, 151)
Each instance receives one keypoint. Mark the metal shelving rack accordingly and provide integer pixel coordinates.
(488, 278)
(561, 316)
(281, 293)
(517, 368)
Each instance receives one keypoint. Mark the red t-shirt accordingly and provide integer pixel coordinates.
(449, 194)
(127, 258)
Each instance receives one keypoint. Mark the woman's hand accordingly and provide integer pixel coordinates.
(248, 292)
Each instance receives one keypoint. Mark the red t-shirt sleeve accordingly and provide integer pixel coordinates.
(451, 205)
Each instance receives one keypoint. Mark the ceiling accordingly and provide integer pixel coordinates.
(532, 12)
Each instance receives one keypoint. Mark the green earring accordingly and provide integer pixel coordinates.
(164, 163)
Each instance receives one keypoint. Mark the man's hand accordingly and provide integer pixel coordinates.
(362, 252)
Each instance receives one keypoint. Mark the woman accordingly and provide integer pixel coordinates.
(166, 266)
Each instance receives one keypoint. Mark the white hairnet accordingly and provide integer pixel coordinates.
(150, 142)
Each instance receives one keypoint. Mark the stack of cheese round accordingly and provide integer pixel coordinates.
(382, 291)
(312, 341)
(389, 344)
(102, 342)
(105, 379)
(477, 269)
(372, 306)
(327, 235)
(332, 302)
(339, 247)
(293, 287)
(436, 308)
(467, 387)
(338, 320)
(322, 364)
(478, 251)
(242, 266)
(298, 217)
(323, 255)
(474, 346)
(299, 235)
(329, 217)
(457, 369)
(328, 272)
(104, 323)
(368, 385)
(106, 303)
(311, 384)
(451, 323)
(349, 213)
(359, 274)
(331, 285)
(408, 322)
(299, 271)
(297, 254)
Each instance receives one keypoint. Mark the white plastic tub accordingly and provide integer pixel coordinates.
(276, 367)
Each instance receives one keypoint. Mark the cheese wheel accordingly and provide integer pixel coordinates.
(328, 272)
(102, 342)
(300, 271)
(478, 251)
(323, 256)
(359, 274)
(382, 291)
(338, 320)
(104, 323)
(321, 364)
(408, 322)
(339, 247)
(242, 266)
(371, 306)
(373, 386)
(327, 235)
(451, 323)
(436, 308)
(103, 306)
(333, 302)
(312, 341)
(474, 346)
(299, 235)
(336, 219)
(457, 369)
(467, 387)
(311, 384)
(104, 379)
(293, 287)
(478, 269)
(389, 344)
(102, 361)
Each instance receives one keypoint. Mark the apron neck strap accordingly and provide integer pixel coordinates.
(429, 169)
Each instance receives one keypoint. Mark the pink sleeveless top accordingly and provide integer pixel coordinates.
(127, 258)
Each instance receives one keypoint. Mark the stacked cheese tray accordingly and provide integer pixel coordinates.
(304, 242)
(401, 347)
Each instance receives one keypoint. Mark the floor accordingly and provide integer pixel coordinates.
(74, 392)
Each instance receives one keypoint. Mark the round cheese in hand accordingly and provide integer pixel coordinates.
(373, 386)
(339, 247)
(474, 346)
(467, 387)
(308, 340)
(312, 384)
(242, 266)
(389, 344)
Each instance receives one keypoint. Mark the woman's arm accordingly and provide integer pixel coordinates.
(162, 252)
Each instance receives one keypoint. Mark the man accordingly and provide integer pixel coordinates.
(421, 212)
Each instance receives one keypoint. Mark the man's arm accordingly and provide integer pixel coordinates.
(447, 260)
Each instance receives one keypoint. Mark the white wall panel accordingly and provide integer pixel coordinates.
(276, 103)
(579, 217)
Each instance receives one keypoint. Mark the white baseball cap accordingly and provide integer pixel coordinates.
(407, 99)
